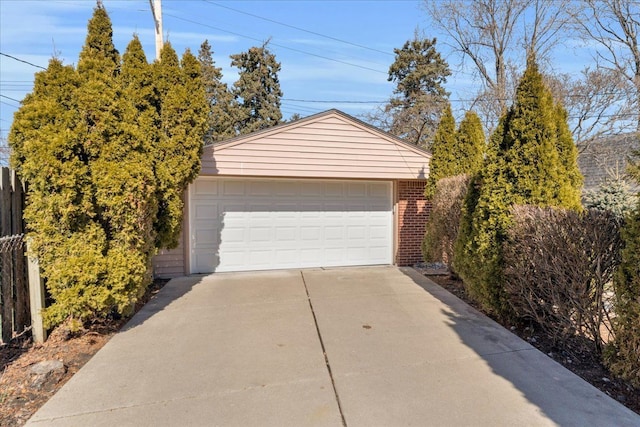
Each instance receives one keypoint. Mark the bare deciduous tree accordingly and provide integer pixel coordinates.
(5, 152)
(597, 103)
(614, 26)
(496, 36)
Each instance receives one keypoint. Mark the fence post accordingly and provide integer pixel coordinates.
(5, 274)
(36, 298)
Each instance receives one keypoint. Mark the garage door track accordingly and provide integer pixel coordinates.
(375, 346)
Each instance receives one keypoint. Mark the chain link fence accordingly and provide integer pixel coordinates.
(14, 291)
(9, 244)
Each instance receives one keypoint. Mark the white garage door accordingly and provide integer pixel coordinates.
(240, 224)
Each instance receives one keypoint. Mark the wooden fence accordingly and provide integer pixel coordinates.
(15, 314)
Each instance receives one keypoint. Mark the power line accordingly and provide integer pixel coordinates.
(276, 44)
(22, 60)
(335, 101)
(298, 28)
(8, 97)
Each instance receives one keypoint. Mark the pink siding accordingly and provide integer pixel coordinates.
(170, 263)
(325, 146)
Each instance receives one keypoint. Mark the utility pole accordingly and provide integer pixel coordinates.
(156, 9)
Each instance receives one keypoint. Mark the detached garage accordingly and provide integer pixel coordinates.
(324, 191)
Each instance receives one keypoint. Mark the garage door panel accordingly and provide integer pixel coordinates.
(287, 188)
(207, 237)
(378, 190)
(206, 187)
(285, 212)
(309, 189)
(334, 256)
(357, 190)
(378, 253)
(206, 211)
(333, 210)
(260, 234)
(334, 189)
(333, 233)
(233, 188)
(260, 188)
(286, 234)
(311, 210)
(378, 232)
(249, 224)
(309, 256)
(357, 254)
(356, 233)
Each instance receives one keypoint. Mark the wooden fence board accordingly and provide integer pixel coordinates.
(6, 285)
(14, 291)
(22, 314)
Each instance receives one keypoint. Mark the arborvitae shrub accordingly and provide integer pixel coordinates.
(471, 144)
(444, 220)
(455, 152)
(623, 356)
(444, 153)
(102, 148)
(529, 161)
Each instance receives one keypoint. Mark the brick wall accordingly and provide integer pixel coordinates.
(413, 212)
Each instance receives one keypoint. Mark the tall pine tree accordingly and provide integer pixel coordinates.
(219, 98)
(414, 110)
(257, 91)
(528, 162)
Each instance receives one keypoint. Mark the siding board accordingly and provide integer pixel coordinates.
(328, 145)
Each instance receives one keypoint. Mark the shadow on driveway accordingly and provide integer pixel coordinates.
(561, 395)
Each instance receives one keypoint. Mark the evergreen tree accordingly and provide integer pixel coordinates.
(470, 141)
(257, 91)
(569, 188)
(100, 158)
(444, 152)
(183, 124)
(527, 162)
(622, 355)
(455, 153)
(48, 154)
(67, 233)
(220, 99)
(132, 183)
(614, 196)
(414, 110)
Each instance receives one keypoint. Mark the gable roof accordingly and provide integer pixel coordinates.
(330, 144)
(607, 159)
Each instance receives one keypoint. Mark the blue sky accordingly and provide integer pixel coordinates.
(315, 67)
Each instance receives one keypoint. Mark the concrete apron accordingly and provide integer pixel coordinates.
(374, 346)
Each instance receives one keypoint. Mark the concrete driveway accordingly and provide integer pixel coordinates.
(376, 346)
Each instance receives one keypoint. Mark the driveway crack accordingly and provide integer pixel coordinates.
(324, 351)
